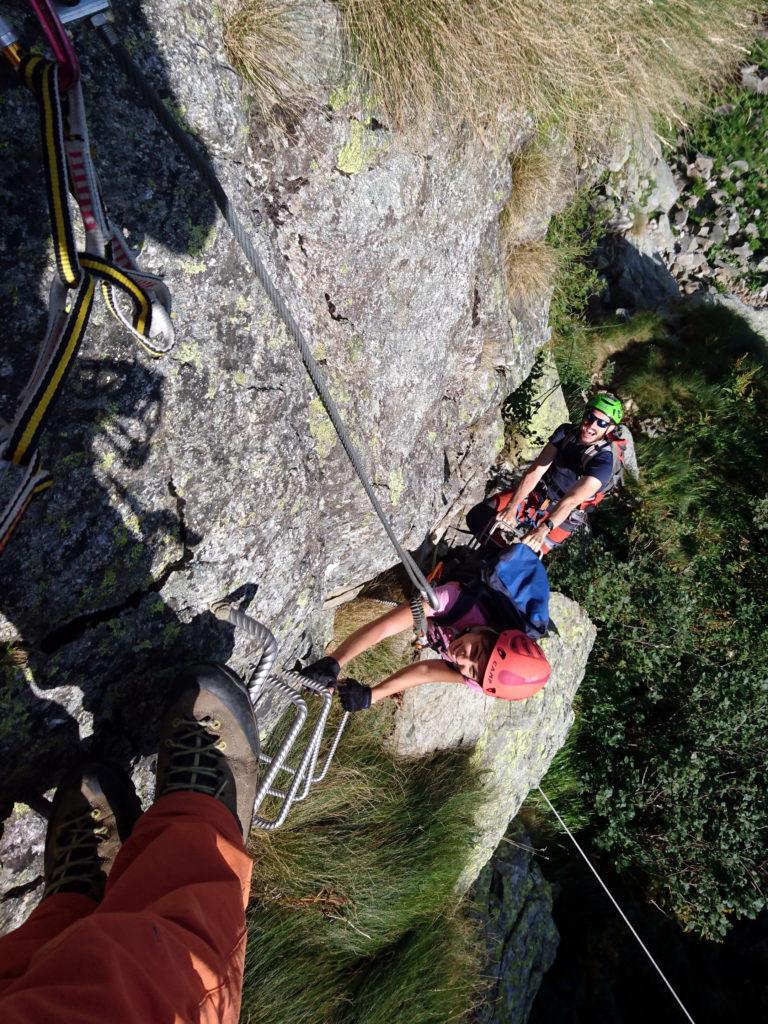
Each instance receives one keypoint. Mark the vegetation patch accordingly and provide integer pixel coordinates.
(380, 661)
(580, 67)
(733, 133)
(267, 41)
(671, 748)
(530, 269)
(354, 918)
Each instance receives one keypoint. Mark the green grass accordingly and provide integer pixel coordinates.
(738, 134)
(354, 917)
(380, 661)
(562, 784)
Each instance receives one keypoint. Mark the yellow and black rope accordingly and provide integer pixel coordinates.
(75, 270)
(41, 78)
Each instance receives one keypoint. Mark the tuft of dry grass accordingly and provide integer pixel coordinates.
(543, 174)
(582, 67)
(530, 270)
(266, 41)
(381, 661)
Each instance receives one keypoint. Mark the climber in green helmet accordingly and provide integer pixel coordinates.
(580, 464)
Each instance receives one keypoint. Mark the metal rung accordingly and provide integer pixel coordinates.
(69, 13)
(294, 689)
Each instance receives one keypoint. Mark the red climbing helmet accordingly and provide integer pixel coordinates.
(517, 667)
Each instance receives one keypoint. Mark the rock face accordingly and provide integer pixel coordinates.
(681, 229)
(514, 741)
(549, 412)
(514, 909)
(213, 472)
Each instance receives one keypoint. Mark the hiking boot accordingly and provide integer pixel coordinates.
(93, 812)
(209, 741)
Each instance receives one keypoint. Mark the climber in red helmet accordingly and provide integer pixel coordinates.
(470, 651)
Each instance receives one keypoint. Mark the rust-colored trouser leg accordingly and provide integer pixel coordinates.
(165, 946)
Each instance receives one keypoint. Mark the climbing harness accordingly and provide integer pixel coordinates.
(106, 258)
(281, 703)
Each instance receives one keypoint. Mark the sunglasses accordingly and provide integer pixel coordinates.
(589, 417)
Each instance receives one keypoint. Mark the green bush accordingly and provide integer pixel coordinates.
(672, 747)
(573, 235)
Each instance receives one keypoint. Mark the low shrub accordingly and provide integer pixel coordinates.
(573, 235)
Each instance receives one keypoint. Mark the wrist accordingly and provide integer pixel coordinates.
(548, 524)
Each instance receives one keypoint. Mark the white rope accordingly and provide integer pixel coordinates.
(589, 864)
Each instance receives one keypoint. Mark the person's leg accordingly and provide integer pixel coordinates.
(557, 537)
(481, 516)
(47, 920)
(94, 809)
(167, 942)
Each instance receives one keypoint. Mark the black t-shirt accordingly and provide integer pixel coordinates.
(570, 463)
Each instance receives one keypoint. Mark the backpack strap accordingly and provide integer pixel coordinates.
(618, 445)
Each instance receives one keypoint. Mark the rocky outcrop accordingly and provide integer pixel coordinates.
(513, 742)
(680, 229)
(513, 904)
(213, 472)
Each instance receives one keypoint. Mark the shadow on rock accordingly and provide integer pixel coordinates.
(87, 645)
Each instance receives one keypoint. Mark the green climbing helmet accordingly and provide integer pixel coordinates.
(609, 404)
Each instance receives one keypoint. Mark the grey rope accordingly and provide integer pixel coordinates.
(206, 171)
(624, 917)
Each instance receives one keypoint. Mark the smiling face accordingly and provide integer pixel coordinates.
(592, 428)
(470, 652)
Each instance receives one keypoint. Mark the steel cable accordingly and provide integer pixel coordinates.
(184, 141)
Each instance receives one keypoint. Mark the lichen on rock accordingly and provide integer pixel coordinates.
(211, 472)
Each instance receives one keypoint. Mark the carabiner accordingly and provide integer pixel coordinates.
(59, 42)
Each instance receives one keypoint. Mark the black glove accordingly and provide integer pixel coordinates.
(354, 696)
(325, 671)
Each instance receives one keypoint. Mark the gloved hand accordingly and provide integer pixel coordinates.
(354, 696)
(325, 671)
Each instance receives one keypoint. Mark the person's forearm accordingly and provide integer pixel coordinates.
(393, 622)
(435, 670)
(527, 484)
(561, 511)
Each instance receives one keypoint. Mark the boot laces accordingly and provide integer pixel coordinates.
(78, 863)
(194, 757)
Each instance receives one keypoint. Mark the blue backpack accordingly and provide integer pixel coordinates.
(512, 591)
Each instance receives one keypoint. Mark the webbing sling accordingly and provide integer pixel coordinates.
(106, 259)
